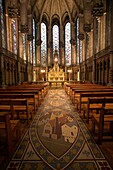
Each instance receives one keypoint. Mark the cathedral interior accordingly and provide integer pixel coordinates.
(80, 31)
(49, 43)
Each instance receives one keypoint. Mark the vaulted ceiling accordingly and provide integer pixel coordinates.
(60, 9)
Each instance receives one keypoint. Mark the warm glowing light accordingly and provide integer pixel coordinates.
(56, 60)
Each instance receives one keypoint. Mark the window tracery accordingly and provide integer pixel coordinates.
(67, 44)
(2, 24)
(14, 36)
(56, 39)
(77, 40)
(33, 45)
(43, 44)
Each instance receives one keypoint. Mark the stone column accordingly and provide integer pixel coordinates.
(19, 52)
(30, 26)
(81, 38)
(103, 25)
(50, 46)
(2, 71)
(99, 34)
(30, 39)
(62, 59)
(23, 16)
(111, 49)
(12, 8)
(87, 16)
(1, 57)
(85, 65)
(30, 35)
(81, 31)
(86, 28)
(46, 73)
(38, 44)
(73, 55)
(65, 73)
(94, 51)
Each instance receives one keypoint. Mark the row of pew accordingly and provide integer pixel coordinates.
(16, 103)
(96, 104)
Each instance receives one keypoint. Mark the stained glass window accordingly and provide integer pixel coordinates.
(108, 20)
(24, 46)
(14, 37)
(96, 36)
(2, 24)
(34, 44)
(87, 46)
(31, 52)
(67, 44)
(80, 51)
(55, 38)
(43, 44)
(77, 40)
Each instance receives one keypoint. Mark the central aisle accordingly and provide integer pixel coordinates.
(58, 139)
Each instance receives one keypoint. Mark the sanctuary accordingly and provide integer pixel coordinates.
(56, 75)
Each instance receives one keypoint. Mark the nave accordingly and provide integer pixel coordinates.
(58, 138)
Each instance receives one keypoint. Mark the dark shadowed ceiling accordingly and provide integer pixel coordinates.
(59, 8)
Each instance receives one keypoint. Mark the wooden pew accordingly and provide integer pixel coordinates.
(70, 87)
(5, 106)
(82, 96)
(31, 96)
(43, 88)
(99, 120)
(95, 103)
(77, 92)
(17, 106)
(12, 129)
(22, 109)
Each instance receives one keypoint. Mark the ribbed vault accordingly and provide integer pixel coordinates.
(59, 8)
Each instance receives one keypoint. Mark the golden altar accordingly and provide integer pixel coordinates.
(56, 75)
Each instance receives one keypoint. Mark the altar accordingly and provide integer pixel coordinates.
(56, 75)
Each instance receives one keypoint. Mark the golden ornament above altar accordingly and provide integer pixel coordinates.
(56, 74)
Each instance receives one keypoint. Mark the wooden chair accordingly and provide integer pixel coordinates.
(12, 129)
(99, 120)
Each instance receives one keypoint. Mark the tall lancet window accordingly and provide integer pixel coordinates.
(56, 38)
(2, 25)
(78, 43)
(81, 46)
(67, 44)
(24, 46)
(34, 43)
(14, 36)
(31, 59)
(43, 44)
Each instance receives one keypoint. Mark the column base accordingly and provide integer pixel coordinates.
(110, 84)
(3, 86)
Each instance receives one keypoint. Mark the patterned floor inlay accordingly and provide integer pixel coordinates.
(58, 139)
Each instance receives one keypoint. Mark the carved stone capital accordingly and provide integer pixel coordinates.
(73, 42)
(87, 27)
(50, 44)
(30, 37)
(98, 9)
(81, 37)
(12, 12)
(24, 28)
(38, 42)
(61, 44)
